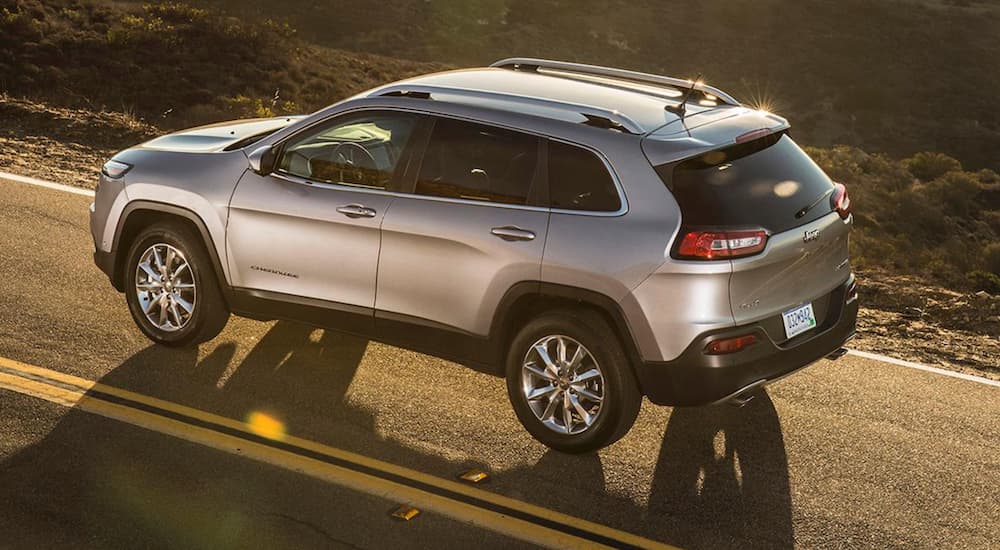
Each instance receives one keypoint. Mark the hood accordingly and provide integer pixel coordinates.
(221, 136)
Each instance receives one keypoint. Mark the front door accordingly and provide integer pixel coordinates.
(309, 232)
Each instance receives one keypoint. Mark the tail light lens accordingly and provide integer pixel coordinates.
(725, 346)
(841, 200)
(720, 245)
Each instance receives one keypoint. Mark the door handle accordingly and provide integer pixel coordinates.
(512, 233)
(356, 211)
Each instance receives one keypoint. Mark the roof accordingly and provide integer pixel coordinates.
(515, 90)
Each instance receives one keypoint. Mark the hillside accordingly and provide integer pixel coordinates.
(175, 65)
(893, 76)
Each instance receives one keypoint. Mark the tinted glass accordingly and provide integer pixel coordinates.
(762, 183)
(472, 161)
(578, 180)
(361, 150)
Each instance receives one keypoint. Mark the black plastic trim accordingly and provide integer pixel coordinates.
(437, 339)
(265, 305)
(106, 262)
(114, 271)
(501, 329)
(405, 331)
(695, 378)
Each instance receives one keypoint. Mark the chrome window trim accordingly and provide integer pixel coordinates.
(292, 178)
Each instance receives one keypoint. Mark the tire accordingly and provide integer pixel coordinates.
(208, 312)
(616, 385)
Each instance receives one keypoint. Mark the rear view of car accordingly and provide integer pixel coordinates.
(762, 206)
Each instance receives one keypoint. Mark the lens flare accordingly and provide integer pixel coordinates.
(761, 98)
(266, 426)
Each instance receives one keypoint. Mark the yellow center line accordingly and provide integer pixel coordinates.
(498, 513)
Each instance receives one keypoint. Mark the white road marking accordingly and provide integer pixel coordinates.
(46, 184)
(865, 354)
(926, 368)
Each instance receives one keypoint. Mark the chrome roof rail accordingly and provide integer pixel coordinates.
(593, 116)
(532, 64)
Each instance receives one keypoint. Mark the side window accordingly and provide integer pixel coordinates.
(578, 180)
(464, 160)
(360, 150)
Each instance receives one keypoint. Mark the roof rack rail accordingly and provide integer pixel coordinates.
(532, 64)
(593, 116)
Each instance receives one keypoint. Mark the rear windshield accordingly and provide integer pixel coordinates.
(762, 183)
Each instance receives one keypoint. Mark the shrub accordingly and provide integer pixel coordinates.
(981, 280)
(957, 191)
(991, 255)
(930, 166)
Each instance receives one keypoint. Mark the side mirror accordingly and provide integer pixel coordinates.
(262, 160)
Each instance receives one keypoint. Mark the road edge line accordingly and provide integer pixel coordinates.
(925, 368)
(46, 184)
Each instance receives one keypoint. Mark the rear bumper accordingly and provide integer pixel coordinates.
(698, 379)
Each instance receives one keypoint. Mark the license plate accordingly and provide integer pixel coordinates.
(799, 320)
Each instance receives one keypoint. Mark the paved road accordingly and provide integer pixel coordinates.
(853, 453)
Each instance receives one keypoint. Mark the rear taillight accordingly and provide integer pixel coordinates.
(720, 245)
(724, 346)
(841, 200)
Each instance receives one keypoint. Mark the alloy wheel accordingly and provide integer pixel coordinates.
(563, 384)
(165, 287)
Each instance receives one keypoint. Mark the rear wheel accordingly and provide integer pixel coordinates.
(171, 289)
(570, 383)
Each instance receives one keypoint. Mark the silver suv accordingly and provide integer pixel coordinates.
(592, 234)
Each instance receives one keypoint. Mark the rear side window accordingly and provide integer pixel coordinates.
(578, 180)
(471, 161)
(762, 183)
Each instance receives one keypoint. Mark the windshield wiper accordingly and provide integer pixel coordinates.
(805, 209)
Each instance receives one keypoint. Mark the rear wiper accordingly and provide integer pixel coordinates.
(805, 209)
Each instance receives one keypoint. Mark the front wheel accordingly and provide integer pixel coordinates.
(171, 289)
(570, 383)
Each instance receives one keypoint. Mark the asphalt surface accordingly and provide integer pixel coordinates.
(852, 453)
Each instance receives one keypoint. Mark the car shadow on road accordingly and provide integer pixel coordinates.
(720, 481)
(722, 474)
(721, 478)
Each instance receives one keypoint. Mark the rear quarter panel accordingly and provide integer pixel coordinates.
(614, 255)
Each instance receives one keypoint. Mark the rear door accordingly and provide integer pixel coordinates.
(311, 229)
(469, 228)
(769, 183)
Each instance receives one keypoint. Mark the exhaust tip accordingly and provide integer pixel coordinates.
(740, 400)
(837, 354)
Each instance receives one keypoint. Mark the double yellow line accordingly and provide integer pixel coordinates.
(497, 513)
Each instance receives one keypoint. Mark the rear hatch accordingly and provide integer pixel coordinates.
(764, 181)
